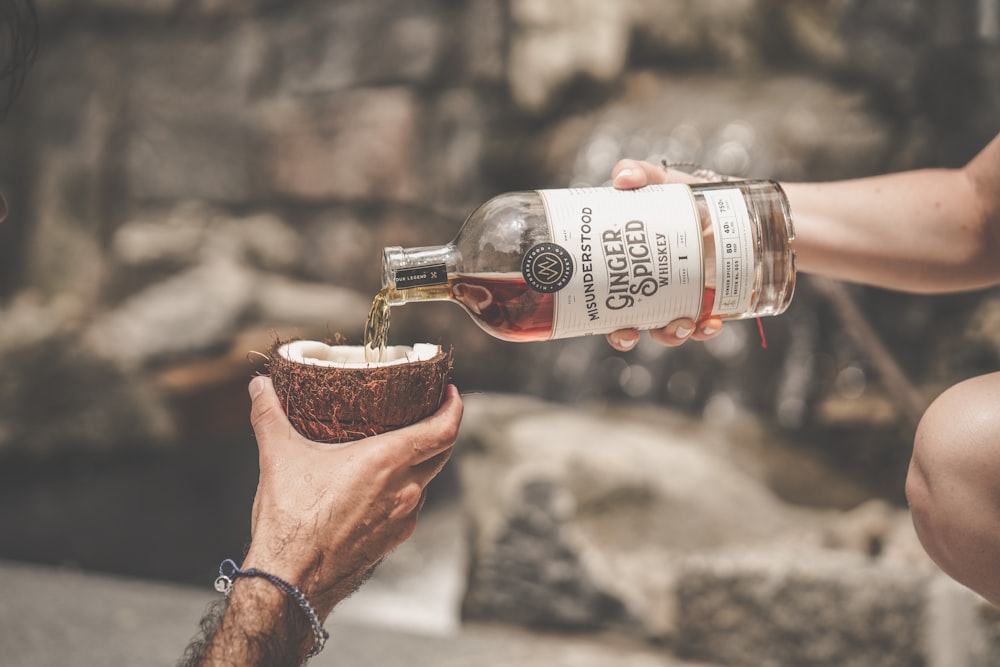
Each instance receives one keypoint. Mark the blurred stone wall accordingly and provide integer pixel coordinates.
(188, 178)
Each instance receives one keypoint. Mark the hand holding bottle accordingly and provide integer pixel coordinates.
(628, 175)
(544, 264)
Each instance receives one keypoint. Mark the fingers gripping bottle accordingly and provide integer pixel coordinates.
(537, 265)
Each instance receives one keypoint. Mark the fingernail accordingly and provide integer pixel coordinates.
(624, 173)
(709, 330)
(256, 386)
(683, 331)
(627, 341)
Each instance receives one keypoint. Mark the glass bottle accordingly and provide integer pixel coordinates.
(544, 264)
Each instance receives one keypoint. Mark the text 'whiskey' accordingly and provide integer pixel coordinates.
(544, 264)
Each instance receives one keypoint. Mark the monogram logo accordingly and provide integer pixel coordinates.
(547, 267)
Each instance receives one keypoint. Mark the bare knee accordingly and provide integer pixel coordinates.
(953, 482)
(928, 514)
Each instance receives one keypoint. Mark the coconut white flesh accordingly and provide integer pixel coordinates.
(315, 353)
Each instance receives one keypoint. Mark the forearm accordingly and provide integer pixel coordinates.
(259, 626)
(919, 231)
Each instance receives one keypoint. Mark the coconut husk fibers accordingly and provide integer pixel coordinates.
(330, 404)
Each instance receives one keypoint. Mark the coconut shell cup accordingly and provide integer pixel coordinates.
(331, 394)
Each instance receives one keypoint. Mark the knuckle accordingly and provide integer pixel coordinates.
(409, 498)
(449, 433)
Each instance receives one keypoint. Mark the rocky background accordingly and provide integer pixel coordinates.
(190, 178)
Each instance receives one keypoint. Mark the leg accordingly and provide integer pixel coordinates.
(953, 485)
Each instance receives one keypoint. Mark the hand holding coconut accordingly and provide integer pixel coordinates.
(323, 517)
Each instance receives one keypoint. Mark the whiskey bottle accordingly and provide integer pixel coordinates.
(544, 264)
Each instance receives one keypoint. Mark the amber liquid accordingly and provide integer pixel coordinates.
(707, 304)
(504, 305)
(508, 308)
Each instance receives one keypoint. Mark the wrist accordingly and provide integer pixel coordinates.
(263, 608)
(302, 571)
(260, 626)
(259, 621)
(324, 579)
(294, 568)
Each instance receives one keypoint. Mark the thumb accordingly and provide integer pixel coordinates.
(266, 413)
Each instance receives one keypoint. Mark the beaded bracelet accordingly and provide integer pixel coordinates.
(224, 584)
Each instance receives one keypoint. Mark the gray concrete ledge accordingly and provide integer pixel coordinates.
(53, 617)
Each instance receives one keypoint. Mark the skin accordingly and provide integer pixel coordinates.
(323, 517)
(926, 231)
(952, 484)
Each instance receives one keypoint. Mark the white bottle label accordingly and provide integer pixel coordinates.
(637, 257)
(734, 256)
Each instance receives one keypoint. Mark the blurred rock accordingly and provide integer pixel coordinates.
(703, 33)
(747, 607)
(346, 252)
(534, 574)
(578, 517)
(301, 306)
(985, 646)
(554, 42)
(76, 122)
(154, 7)
(777, 127)
(864, 530)
(810, 30)
(172, 242)
(57, 396)
(187, 132)
(198, 309)
(985, 324)
(335, 48)
(192, 232)
(483, 34)
(360, 145)
(183, 151)
(458, 130)
(604, 517)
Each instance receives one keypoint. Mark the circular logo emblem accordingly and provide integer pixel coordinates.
(547, 267)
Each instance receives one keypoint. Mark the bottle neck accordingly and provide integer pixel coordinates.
(417, 274)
